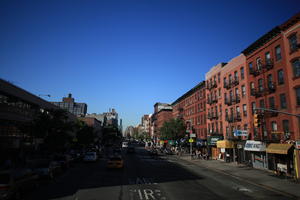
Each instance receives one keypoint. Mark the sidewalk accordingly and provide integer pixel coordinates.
(251, 175)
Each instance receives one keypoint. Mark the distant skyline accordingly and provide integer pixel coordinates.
(126, 55)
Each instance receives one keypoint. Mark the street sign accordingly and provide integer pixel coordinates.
(240, 133)
(191, 140)
(192, 135)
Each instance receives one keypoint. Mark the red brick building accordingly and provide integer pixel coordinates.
(162, 113)
(235, 107)
(191, 107)
(214, 109)
(272, 69)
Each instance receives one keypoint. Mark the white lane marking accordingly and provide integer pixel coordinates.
(150, 193)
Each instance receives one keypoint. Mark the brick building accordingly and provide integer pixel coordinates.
(272, 69)
(162, 113)
(191, 107)
(214, 84)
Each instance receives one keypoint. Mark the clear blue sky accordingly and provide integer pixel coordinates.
(124, 54)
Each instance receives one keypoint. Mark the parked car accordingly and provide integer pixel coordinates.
(90, 157)
(124, 144)
(115, 162)
(130, 149)
(14, 183)
(63, 161)
(45, 168)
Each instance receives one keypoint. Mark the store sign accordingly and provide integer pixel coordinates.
(252, 145)
(298, 144)
(212, 140)
(240, 133)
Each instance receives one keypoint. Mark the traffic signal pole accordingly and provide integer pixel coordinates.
(276, 111)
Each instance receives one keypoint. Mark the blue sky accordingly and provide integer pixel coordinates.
(126, 55)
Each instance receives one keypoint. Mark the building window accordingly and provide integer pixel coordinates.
(243, 90)
(274, 126)
(250, 67)
(285, 126)
(293, 42)
(262, 103)
(280, 77)
(270, 81)
(236, 76)
(260, 85)
(278, 53)
(253, 105)
(244, 110)
(272, 103)
(219, 95)
(258, 64)
(283, 101)
(242, 73)
(219, 77)
(268, 57)
(296, 67)
(298, 96)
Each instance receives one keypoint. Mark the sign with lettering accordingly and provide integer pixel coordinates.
(252, 145)
(240, 133)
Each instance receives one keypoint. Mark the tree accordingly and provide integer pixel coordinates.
(85, 134)
(173, 129)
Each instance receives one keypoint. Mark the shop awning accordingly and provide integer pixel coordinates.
(278, 148)
(227, 144)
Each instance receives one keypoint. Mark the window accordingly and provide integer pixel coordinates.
(242, 73)
(271, 102)
(219, 77)
(283, 101)
(258, 64)
(225, 82)
(280, 77)
(270, 81)
(274, 126)
(243, 90)
(230, 79)
(244, 110)
(262, 103)
(250, 67)
(260, 85)
(293, 42)
(238, 110)
(219, 95)
(252, 85)
(296, 67)
(285, 126)
(237, 92)
(298, 96)
(253, 105)
(278, 53)
(268, 57)
(236, 76)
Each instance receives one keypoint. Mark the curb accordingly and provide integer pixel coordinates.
(247, 181)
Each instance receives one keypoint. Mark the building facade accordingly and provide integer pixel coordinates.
(272, 68)
(69, 104)
(191, 107)
(215, 126)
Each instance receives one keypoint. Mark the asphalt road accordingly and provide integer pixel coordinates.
(147, 178)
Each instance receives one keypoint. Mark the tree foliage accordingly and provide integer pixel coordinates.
(173, 129)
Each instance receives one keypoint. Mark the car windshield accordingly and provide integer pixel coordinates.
(4, 178)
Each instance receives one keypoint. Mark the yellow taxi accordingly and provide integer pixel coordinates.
(115, 162)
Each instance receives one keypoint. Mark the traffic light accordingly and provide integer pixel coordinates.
(256, 120)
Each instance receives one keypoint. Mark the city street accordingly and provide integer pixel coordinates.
(145, 178)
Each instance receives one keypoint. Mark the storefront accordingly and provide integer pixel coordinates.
(201, 145)
(297, 159)
(280, 158)
(240, 156)
(255, 154)
(212, 146)
(226, 150)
